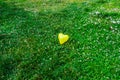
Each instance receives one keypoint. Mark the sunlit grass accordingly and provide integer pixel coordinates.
(44, 5)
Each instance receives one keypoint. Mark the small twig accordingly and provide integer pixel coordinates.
(2, 36)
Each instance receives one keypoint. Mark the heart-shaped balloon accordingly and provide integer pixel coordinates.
(62, 38)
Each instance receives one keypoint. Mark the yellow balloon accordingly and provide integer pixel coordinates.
(62, 38)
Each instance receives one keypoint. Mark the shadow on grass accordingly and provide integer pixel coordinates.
(9, 11)
(8, 14)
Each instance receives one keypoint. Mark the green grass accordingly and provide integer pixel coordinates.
(29, 46)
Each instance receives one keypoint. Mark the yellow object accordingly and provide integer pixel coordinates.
(62, 38)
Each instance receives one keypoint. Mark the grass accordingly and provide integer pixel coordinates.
(29, 47)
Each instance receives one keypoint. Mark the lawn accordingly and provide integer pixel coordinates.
(30, 49)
